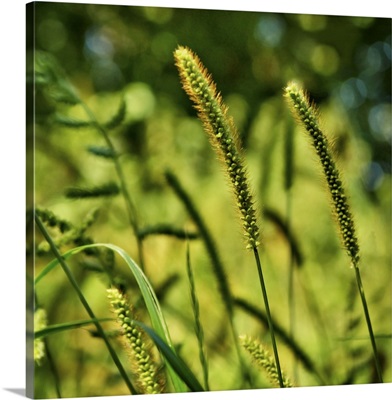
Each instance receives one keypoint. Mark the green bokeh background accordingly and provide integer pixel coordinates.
(114, 52)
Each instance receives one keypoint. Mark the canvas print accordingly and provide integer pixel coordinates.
(208, 200)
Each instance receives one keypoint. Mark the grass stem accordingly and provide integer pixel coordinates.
(368, 321)
(268, 314)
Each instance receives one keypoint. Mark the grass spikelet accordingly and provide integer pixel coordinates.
(147, 377)
(69, 233)
(107, 189)
(40, 322)
(222, 134)
(263, 360)
(52, 220)
(100, 151)
(307, 115)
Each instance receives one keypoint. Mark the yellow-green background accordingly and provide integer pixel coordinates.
(110, 52)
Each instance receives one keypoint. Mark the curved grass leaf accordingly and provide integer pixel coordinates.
(157, 319)
(67, 271)
(176, 362)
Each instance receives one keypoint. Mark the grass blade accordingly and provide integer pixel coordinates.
(198, 326)
(178, 365)
(157, 319)
(67, 271)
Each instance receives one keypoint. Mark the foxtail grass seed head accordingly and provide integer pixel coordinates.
(307, 115)
(222, 134)
(261, 357)
(40, 322)
(148, 379)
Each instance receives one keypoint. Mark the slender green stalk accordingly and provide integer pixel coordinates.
(223, 136)
(307, 115)
(54, 370)
(196, 313)
(84, 302)
(368, 320)
(289, 180)
(268, 314)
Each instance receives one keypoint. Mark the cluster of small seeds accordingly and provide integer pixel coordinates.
(306, 114)
(222, 134)
(40, 322)
(263, 359)
(145, 370)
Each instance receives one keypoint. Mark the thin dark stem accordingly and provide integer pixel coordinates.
(268, 314)
(84, 302)
(368, 321)
(291, 286)
(53, 369)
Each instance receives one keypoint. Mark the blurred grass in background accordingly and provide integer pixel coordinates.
(111, 53)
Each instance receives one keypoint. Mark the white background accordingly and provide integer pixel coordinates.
(12, 189)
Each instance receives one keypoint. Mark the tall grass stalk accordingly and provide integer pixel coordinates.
(268, 314)
(306, 114)
(288, 183)
(223, 136)
(196, 312)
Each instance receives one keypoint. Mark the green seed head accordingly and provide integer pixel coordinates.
(306, 114)
(221, 131)
(146, 373)
(40, 322)
(261, 357)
